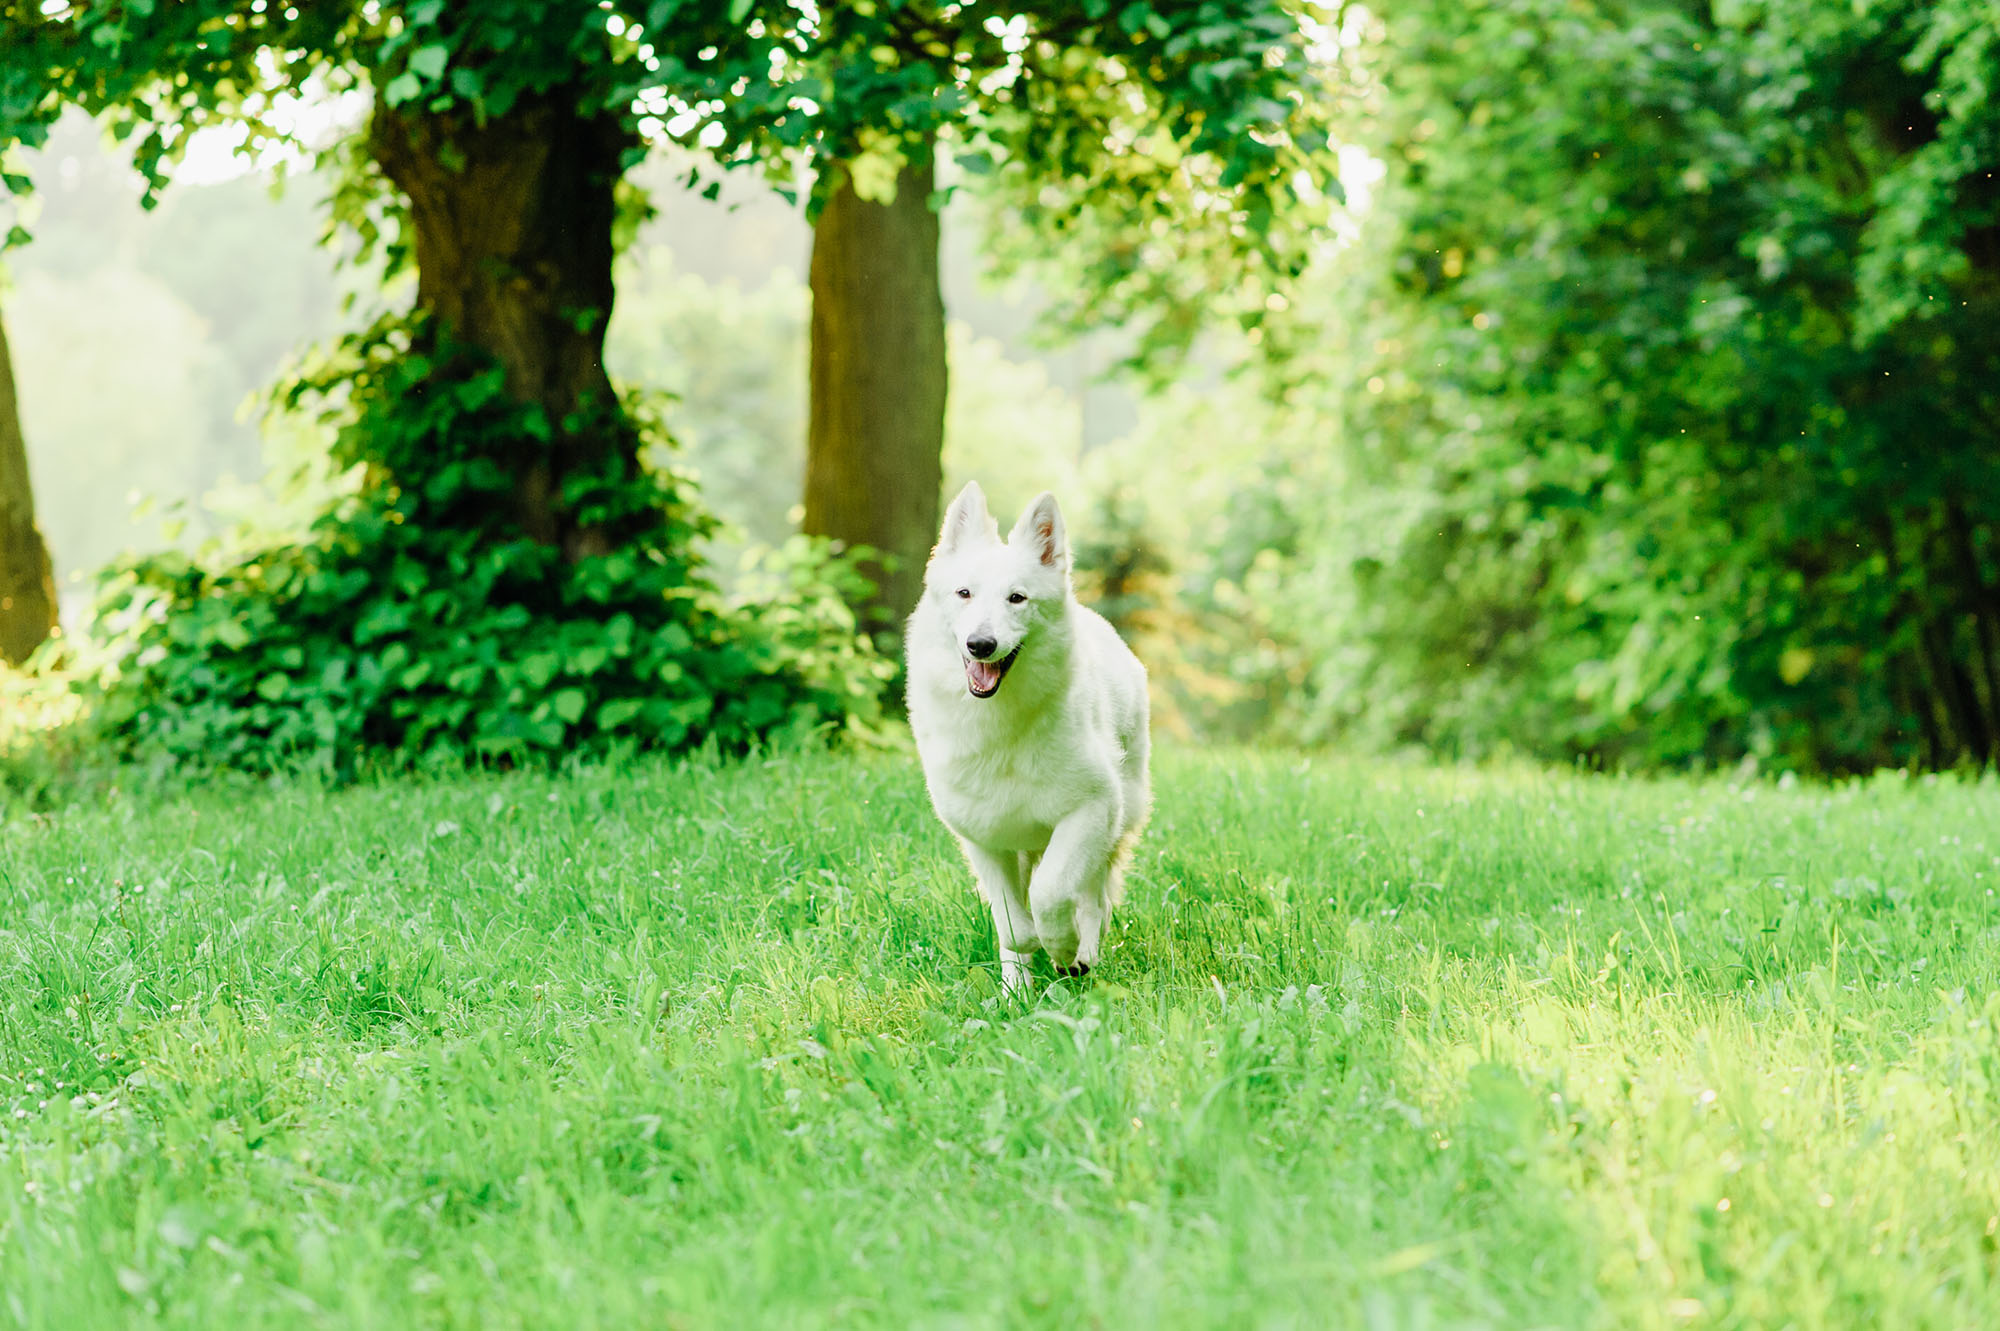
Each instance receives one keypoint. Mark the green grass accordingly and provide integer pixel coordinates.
(720, 1046)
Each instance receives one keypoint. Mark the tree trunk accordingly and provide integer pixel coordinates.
(27, 585)
(876, 437)
(512, 233)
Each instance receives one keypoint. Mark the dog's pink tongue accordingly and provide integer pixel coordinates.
(983, 676)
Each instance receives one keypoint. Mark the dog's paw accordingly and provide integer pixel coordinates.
(1074, 972)
(1017, 978)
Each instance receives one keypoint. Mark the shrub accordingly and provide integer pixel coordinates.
(416, 621)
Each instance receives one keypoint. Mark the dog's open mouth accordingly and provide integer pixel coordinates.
(983, 677)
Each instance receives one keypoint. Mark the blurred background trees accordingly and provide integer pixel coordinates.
(1681, 364)
(1637, 406)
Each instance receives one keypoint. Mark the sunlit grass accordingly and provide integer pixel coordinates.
(698, 1046)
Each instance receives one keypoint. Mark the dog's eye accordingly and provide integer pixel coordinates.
(965, 593)
(1016, 598)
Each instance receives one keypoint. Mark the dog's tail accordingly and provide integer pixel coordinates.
(1138, 812)
(1121, 857)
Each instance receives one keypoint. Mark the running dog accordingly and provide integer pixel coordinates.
(1030, 717)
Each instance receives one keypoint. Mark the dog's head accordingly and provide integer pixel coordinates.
(991, 594)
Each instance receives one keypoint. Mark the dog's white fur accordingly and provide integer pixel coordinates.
(1045, 782)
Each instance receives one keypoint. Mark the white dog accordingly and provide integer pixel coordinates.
(1030, 718)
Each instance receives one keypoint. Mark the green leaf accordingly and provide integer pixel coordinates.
(429, 61)
(231, 633)
(569, 704)
(402, 88)
(619, 713)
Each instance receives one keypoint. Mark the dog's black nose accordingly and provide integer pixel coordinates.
(981, 648)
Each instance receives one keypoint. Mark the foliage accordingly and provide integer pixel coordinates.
(157, 72)
(1171, 177)
(41, 715)
(1158, 142)
(1373, 1044)
(1139, 109)
(1668, 425)
(417, 621)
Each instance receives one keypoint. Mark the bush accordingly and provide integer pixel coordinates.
(417, 622)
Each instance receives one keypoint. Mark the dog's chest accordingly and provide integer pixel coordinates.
(1004, 798)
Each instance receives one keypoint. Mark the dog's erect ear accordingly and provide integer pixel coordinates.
(1041, 531)
(967, 521)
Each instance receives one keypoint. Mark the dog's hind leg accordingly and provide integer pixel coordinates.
(1003, 879)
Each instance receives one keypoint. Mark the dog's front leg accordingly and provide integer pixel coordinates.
(1068, 888)
(1004, 884)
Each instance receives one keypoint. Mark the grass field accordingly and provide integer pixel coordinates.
(1373, 1046)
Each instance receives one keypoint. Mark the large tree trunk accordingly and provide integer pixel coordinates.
(512, 227)
(874, 447)
(27, 586)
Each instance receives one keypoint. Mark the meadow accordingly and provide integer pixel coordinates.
(720, 1045)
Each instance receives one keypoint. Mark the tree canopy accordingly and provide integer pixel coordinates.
(1116, 127)
(1152, 114)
